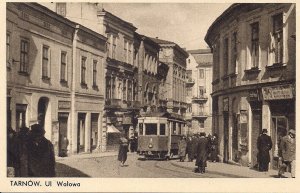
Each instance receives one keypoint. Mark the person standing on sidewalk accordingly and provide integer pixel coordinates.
(202, 150)
(189, 149)
(288, 151)
(182, 148)
(264, 145)
(123, 149)
(214, 148)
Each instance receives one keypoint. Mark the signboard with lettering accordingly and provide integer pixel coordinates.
(278, 92)
(64, 105)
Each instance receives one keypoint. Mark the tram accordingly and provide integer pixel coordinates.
(158, 135)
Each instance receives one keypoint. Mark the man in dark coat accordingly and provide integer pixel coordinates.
(189, 149)
(22, 158)
(214, 148)
(202, 150)
(194, 145)
(41, 159)
(11, 152)
(264, 145)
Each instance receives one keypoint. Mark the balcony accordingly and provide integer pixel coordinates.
(190, 82)
(114, 103)
(200, 98)
(199, 115)
(183, 105)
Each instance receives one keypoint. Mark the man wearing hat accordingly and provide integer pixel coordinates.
(41, 159)
(202, 150)
(288, 151)
(264, 145)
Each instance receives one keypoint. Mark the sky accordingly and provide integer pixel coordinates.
(183, 23)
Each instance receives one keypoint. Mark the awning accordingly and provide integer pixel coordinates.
(112, 129)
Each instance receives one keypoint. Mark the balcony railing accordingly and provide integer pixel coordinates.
(190, 82)
(199, 115)
(200, 98)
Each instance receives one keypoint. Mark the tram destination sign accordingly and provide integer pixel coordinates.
(278, 92)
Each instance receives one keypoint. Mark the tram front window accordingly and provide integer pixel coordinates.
(162, 129)
(151, 129)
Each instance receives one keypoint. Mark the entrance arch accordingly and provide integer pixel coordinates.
(44, 115)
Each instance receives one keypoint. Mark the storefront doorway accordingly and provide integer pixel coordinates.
(94, 131)
(279, 130)
(63, 134)
(226, 137)
(81, 132)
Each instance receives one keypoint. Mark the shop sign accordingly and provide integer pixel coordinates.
(64, 105)
(253, 95)
(226, 104)
(278, 92)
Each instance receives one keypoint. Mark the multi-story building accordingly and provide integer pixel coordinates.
(173, 88)
(253, 77)
(54, 76)
(198, 86)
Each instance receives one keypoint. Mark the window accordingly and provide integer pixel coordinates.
(234, 51)
(278, 37)
(24, 56)
(95, 73)
(125, 51)
(83, 70)
(162, 129)
(20, 116)
(124, 89)
(254, 45)
(63, 66)
(130, 53)
(8, 50)
(201, 73)
(225, 57)
(61, 9)
(45, 62)
(108, 45)
(201, 123)
(129, 93)
(108, 87)
(151, 129)
(114, 47)
(201, 91)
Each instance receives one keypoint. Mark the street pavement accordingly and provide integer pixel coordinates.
(106, 165)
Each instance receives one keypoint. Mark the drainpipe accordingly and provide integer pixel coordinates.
(73, 128)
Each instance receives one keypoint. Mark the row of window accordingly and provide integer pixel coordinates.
(46, 63)
(111, 46)
(276, 46)
(124, 89)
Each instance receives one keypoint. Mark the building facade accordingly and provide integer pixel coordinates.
(173, 89)
(198, 86)
(54, 73)
(253, 78)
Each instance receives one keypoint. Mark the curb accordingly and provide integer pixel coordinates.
(89, 156)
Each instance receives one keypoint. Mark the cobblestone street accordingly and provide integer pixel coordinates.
(106, 165)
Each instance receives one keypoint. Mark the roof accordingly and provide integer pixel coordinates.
(160, 41)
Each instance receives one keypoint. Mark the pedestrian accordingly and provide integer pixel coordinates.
(64, 147)
(182, 148)
(202, 150)
(189, 149)
(123, 149)
(22, 152)
(194, 145)
(11, 152)
(264, 145)
(214, 148)
(41, 159)
(288, 153)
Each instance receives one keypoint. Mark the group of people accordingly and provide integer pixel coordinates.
(29, 153)
(199, 147)
(286, 152)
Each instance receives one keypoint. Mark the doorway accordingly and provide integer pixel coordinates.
(81, 132)
(279, 130)
(63, 134)
(226, 137)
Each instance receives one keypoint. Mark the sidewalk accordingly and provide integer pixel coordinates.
(88, 155)
(228, 170)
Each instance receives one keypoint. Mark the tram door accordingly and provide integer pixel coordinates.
(279, 130)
